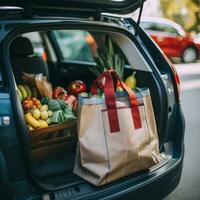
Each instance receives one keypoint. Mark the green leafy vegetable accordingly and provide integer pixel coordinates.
(109, 56)
(54, 105)
(62, 116)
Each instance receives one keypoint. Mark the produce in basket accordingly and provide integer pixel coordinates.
(30, 103)
(62, 115)
(38, 117)
(40, 82)
(77, 87)
(58, 92)
(61, 93)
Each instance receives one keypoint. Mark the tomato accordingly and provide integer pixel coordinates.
(30, 102)
(26, 106)
(37, 103)
(34, 99)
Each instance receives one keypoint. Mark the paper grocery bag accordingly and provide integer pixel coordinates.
(117, 135)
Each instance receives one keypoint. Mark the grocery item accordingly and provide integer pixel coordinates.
(28, 90)
(109, 56)
(36, 113)
(131, 81)
(58, 92)
(117, 136)
(44, 115)
(50, 113)
(45, 100)
(43, 123)
(44, 87)
(77, 87)
(54, 105)
(23, 91)
(44, 107)
(71, 100)
(32, 121)
(62, 116)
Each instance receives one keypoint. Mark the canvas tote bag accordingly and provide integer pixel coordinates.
(117, 135)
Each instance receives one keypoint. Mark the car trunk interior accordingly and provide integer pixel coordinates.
(52, 158)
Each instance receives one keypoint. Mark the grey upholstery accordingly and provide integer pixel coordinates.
(23, 59)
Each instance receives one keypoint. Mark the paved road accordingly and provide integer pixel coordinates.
(189, 187)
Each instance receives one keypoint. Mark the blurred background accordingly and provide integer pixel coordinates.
(184, 12)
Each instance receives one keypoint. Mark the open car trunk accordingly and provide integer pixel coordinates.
(52, 149)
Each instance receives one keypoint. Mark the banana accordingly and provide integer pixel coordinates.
(23, 91)
(43, 123)
(34, 92)
(30, 127)
(32, 121)
(20, 94)
(28, 90)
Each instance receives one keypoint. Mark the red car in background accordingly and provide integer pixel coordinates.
(172, 39)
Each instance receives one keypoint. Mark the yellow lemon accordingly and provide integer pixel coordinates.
(36, 113)
(44, 115)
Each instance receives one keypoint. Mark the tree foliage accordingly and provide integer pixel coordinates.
(184, 12)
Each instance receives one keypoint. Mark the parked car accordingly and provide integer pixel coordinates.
(172, 39)
(52, 178)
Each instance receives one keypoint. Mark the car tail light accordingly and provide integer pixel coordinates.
(175, 77)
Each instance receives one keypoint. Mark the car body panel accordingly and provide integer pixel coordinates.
(142, 186)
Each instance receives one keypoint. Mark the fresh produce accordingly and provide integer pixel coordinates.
(36, 116)
(44, 115)
(36, 102)
(50, 113)
(36, 113)
(27, 105)
(32, 121)
(23, 91)
(44, 108)
(131, 81)
(53, 105)
(109, 56)
(71, 100)
(76, 87)
(28, 90)
(40, 114)
(62, 103)
(43, 123)
(45, 100)
(30, 127)
(62, 116)
(58, 92)
(30, 103)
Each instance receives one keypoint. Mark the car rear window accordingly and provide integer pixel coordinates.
(36, 41)
(75, 45)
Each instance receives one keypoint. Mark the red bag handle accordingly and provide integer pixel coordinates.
(110, 77)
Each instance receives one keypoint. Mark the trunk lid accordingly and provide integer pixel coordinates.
(77, 7)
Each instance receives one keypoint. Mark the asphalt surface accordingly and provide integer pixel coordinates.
(189, 187)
